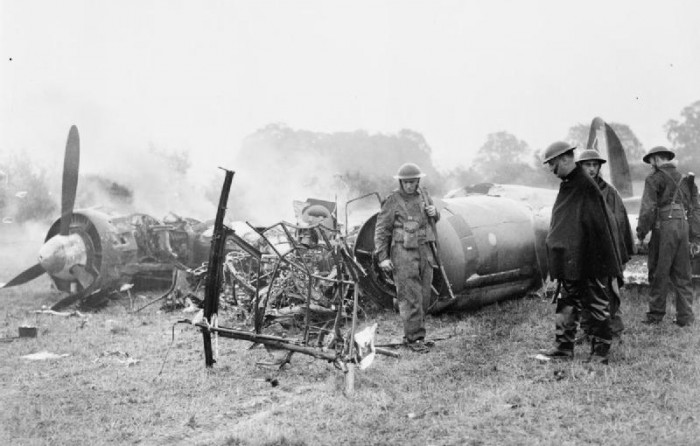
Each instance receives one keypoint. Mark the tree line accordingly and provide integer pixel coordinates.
(354, 162)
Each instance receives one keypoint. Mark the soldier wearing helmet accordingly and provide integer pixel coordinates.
(582, 256)
(401, 238)
(665, 200)
(591, 161)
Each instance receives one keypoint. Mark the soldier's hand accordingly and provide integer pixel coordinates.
(386, 265)
(431, 210)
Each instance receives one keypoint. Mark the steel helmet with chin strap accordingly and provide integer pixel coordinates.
(590, 155)
(657, 150)
(409, 171)
(556, 149)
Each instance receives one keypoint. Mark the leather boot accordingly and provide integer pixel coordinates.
(599, 352)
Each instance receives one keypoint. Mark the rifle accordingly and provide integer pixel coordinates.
(434, 245)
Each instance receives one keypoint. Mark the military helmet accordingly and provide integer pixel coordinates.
(656, 150)
(409, 171)
(556, 149)
(590, 155)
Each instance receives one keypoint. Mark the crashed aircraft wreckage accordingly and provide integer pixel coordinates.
(491, 240)
(322, 316)
(90, 252)
(492, 237)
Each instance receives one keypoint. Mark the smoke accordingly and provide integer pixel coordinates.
(277, 165)
(19, 247)
(274, 166)
(154, 181)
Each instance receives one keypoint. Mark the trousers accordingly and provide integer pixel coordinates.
(413, 275)
(591, 295)
(670, 269)
(616, 324)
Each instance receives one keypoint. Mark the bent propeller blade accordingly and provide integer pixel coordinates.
(71, 163)
(25, 276)
(619, 167)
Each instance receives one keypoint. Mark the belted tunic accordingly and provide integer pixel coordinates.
(402, 234)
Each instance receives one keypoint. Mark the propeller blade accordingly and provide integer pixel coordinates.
(25, 276)
(84, 277)
(71, 162)
(72, 298)
(619, 168)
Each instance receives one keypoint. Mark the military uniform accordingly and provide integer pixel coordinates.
(582, 254)
(402, 234)
(625, 243)
(662, 211)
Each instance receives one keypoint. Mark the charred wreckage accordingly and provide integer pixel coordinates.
(303, 280)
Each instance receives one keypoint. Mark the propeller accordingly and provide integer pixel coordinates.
(25, 276)
(603, 138)
(71, 163)
(622, 180)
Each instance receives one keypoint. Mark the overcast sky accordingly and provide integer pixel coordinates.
(201, 75)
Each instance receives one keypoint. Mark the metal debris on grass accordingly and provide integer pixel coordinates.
(44, 355)
(300, 278)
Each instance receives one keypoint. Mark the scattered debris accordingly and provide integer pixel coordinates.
(302, 278)
(364, 341)
(74, 313)
(43, 355)
(27, 331)
(118, 356)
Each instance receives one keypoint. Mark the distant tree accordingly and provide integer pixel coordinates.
(504, 159)
(26, 193)
(462, 176)
(578, 135)
(323, 165)
(542, 177)
(685, 137)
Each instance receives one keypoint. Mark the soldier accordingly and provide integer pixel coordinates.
(582, 256)
(591, 162)
(664, 202)
(401, 239)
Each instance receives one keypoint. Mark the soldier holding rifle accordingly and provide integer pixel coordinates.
(403, 235)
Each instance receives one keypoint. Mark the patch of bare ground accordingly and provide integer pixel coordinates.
(481, 386)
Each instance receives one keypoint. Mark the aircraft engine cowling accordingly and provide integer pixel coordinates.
(106, 249)
(490, 248)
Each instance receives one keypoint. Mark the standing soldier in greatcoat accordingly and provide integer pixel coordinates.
(591, 162)
(663, 212)
(401, 239)
(582, 256)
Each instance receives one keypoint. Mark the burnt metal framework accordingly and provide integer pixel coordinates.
(341, 351)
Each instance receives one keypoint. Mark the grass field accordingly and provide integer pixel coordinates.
(479, 387)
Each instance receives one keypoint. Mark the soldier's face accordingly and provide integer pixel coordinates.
(553, 165)
(410, 186)
(592, 168)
